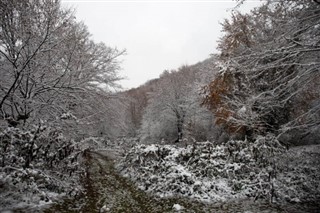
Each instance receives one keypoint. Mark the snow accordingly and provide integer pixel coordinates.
(104, 209)
(242, 110)
(52, 173)
(198, 171)
(295, 200)
(177, 207)
(202, 171)
(218, 173)
(151, 148)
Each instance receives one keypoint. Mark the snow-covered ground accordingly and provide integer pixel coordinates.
(55, 168)
(202, 171)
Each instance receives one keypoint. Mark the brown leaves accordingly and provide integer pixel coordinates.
(215, 99)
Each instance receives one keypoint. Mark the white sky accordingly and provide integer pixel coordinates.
(157, 34)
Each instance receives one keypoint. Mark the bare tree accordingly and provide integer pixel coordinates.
(266, 67)
(173, 112)
(49, 64)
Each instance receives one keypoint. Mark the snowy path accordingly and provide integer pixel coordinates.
(107, 191)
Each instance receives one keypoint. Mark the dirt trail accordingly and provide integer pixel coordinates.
(107, 191)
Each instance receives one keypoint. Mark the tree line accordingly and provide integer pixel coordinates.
(265, 80)
(58, 87)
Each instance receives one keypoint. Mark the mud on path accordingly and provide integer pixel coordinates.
(107, 191)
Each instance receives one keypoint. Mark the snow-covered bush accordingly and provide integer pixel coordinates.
(204, 170)
(36, 166)
(299, 178)
(259, 168)
(93, 143)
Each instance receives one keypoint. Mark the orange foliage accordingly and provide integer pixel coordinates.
(216, 92)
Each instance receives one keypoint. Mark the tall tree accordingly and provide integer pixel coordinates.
(174, 112)
(49, 65)
(267, 67)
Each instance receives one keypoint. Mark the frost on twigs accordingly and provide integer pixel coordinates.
(262, 169)
(300, 176)
(36, 167)
(204, 171)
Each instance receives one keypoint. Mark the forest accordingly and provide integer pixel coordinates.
(236, 132)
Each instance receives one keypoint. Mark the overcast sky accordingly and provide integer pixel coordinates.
(157, 35)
